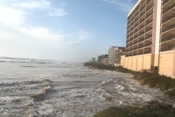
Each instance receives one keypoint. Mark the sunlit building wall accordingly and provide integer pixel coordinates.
(151, 37)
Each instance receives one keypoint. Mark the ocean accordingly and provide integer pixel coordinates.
(47, 88)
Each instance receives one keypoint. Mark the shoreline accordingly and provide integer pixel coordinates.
(152, 80)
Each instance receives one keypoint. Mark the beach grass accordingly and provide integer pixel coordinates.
(152, 109)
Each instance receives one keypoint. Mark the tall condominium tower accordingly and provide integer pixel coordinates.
(150, 40)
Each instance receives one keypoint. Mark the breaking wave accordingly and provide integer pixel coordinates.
(21, 97)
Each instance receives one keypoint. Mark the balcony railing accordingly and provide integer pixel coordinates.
(168, 28)
(141, 27)
(149, 1)
(148, 44)
(142, 14)
(140, 46)
(165, 1)
(168, 18)
(148, 29)
(148, 37)
(168, 38)
(166, 10)
(136, 36)
(149, 14)
(147, 52)
(134, 48)
(148, 22)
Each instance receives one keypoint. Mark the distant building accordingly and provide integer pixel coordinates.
(103, 59)
(93, 59)
(119, 52)
(114, 54)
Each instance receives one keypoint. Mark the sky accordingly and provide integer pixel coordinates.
(66, 30)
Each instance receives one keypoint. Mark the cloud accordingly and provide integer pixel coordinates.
(39, 4)
(11, 16)
(13, 27)
(43, 5)
(78, 37)
(124, 5)
(58, 12)
(22, 39)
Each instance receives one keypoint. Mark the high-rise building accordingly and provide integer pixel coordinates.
(114, 54)
(150, 40)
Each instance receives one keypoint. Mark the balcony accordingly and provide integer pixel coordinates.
(168, 28)
(136, 36)
(147, 52)
(141, 27)
(148, 44)
(141, 3)
(147, 37)
(149, 15)
(135, 48)
(168, 18)
(140, 52)
(141, 46)
(149, 2)
(141, 39)
(168, 38)
(147, 30)
(165, 1)
(141, 21)
(149, 22)
(169, 8)
(142, 15)
(167, 47)
(136, 24)
(149, 8)
(136, 30)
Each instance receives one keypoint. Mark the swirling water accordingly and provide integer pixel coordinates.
(45, 88)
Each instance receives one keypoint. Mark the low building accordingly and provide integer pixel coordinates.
(119, 52)
(103, 59)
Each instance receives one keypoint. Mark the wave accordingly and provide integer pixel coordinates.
(20, 98)
(79, 75)
(25, 60)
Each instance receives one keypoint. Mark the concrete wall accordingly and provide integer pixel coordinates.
(137, 63)
(167, 63)
(134, 63)
(147, 61)
(122, 60)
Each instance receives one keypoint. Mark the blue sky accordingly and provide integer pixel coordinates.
(67, 30)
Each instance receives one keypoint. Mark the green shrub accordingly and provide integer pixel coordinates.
(152, 109)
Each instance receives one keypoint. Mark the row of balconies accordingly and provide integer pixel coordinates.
(167, 46)
(134, 53)
(138, 41)
(139, 29)
(138, 46)
(169, 8)
(168, 28)
(172, 37)
(168, 18)
(165, 1)
(142, 17)
(141, 6)
(140, 22)
(138, 34)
